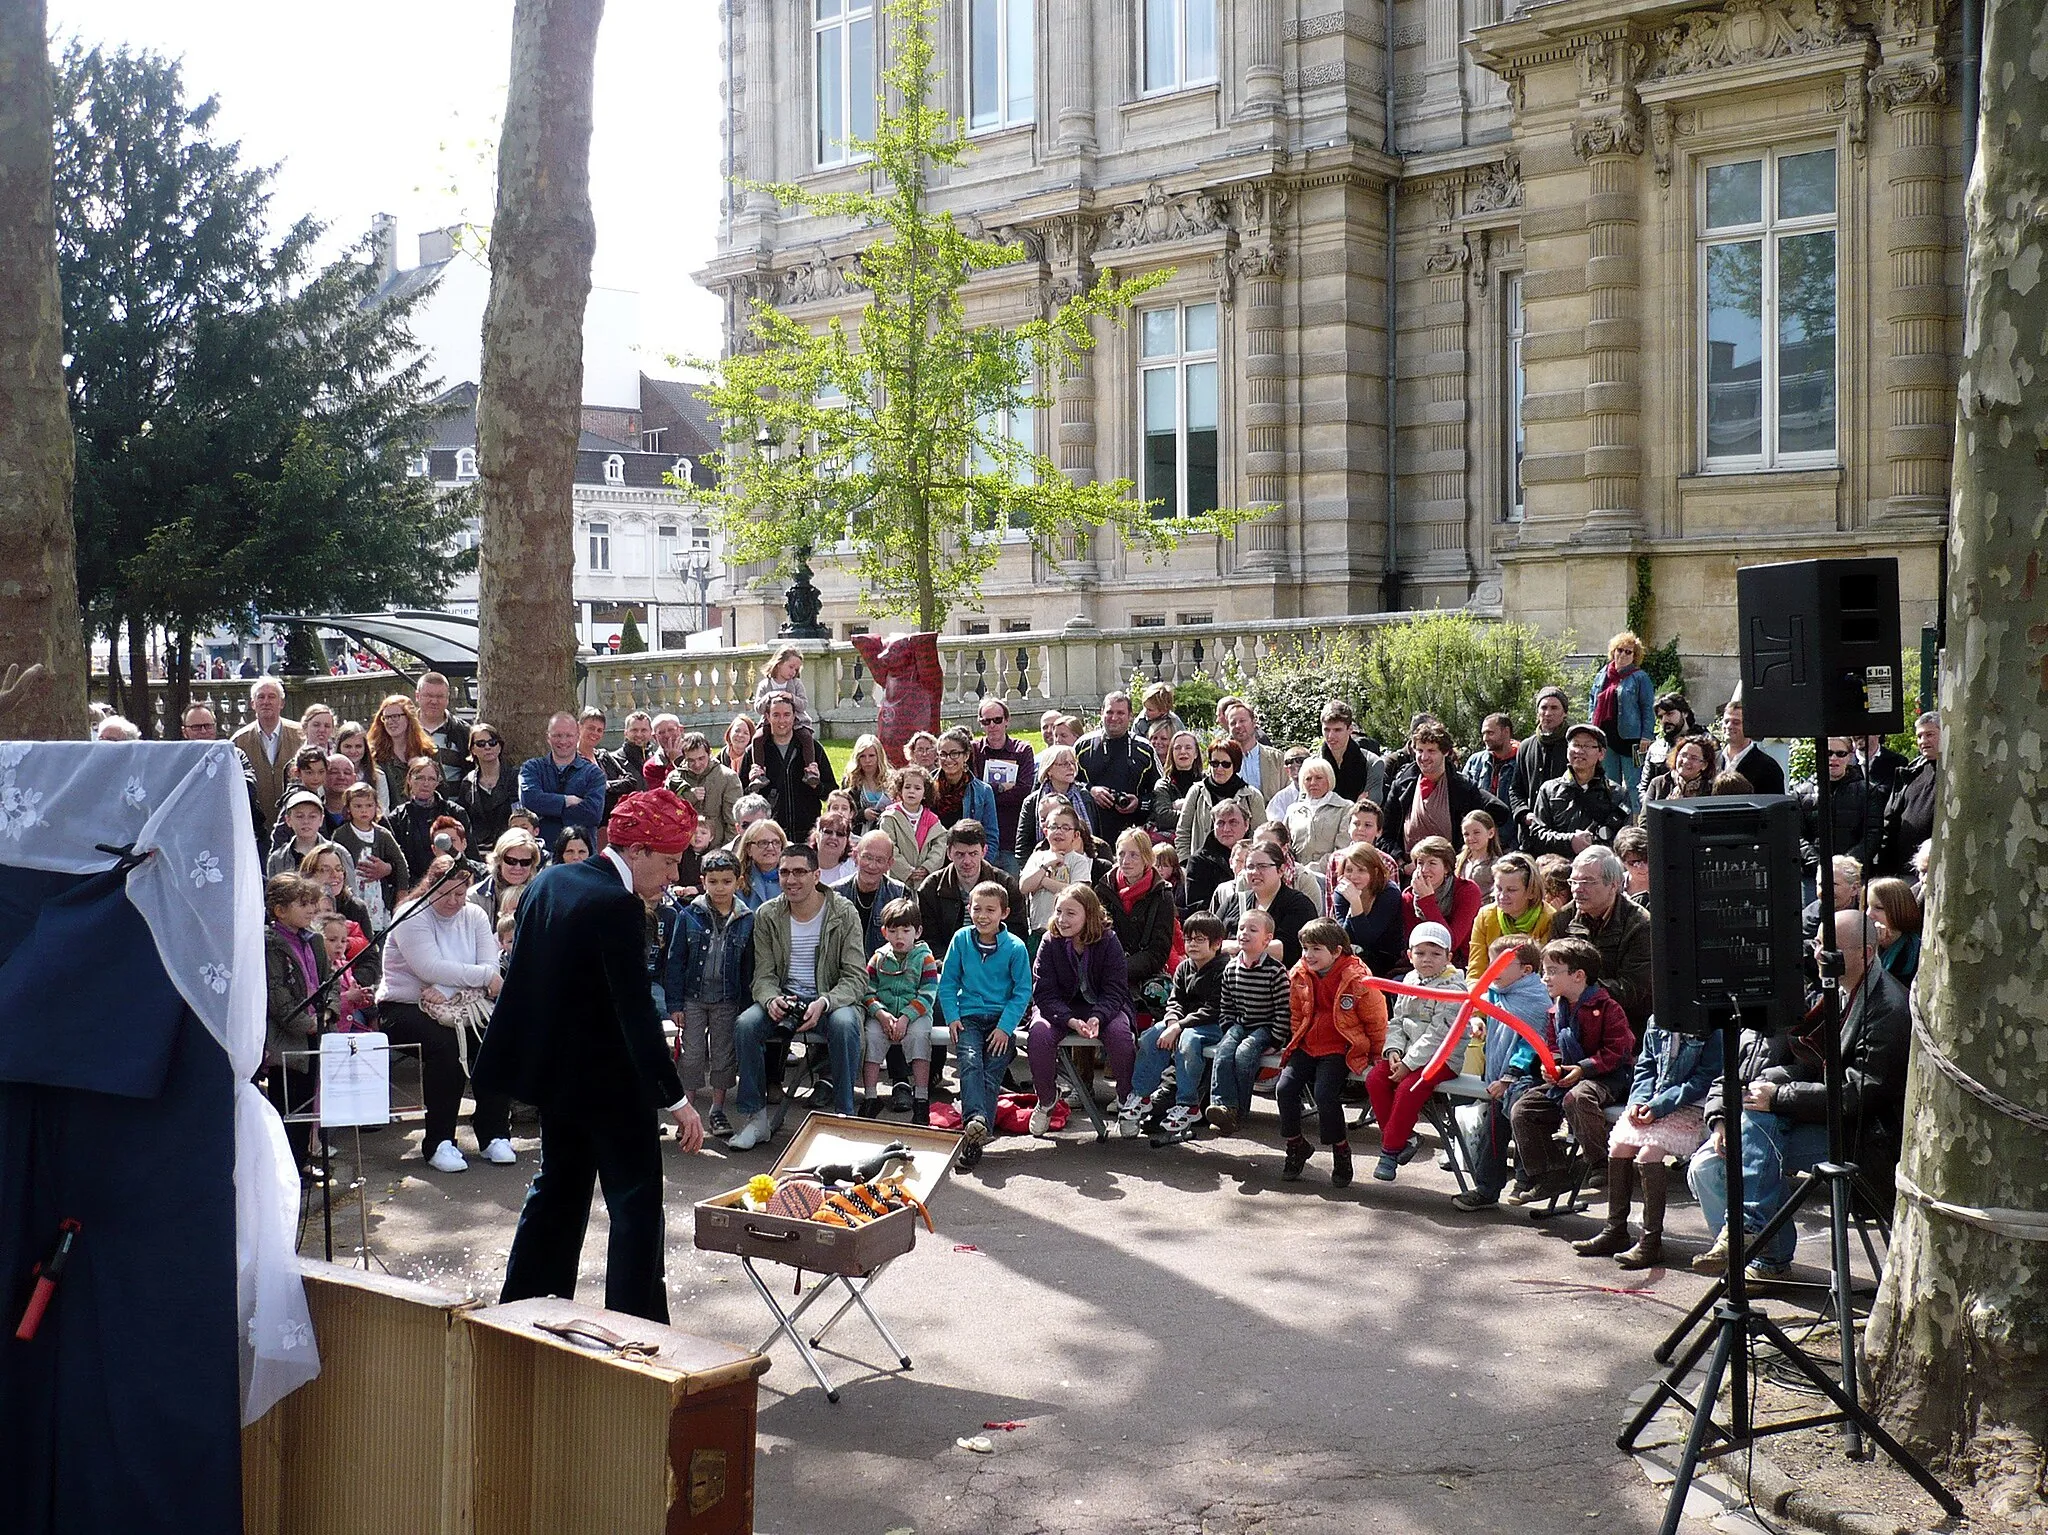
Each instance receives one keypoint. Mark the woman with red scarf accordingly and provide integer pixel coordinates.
(1623, 705)
(1141, 909)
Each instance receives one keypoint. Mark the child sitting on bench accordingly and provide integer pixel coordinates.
(1254, 1018)
(1399, 1083)
(1192, 1023)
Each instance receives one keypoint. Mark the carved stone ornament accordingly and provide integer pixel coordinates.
(1482, 256)
(1910, 83)
(1494, 186)
(1608, 64)
(1447, 257)
(1850, 96)
(1256, 210)
(1443, 201)
(1032, 241)
(1069, 242)
(1906, 20)
(814, 282)
(1618, 132)
(1162, 218)
(1745, 31)
(1663, 130)
(1252, 261)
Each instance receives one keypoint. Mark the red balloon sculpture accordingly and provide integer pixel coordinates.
(907, 675)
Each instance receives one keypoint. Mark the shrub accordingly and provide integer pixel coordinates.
(1459, 668)
(1193, 700)
(630, 642)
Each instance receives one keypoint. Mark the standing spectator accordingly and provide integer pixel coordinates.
(869, 886)
(1881, 765)
(711, 788)
(1224, 782)
(957, 795)
(786, 764)
(1595, 1050)
(563, 788)
(1539, 759)
(341, 777)
(512, 861)
(304, 827)
(1430, 800)
(1155, 707)
(449, 734)
(353, 742)
(1059, 773)
(1480, 851)
(1317, 821)
(1010, 771)
(270, 742)
(396, 740)
(810, 977)
(666, 752)
(1079, 985)
(1358, 773)
(784, 673)
(1120, 770)
(942, 900)
(317, 726)
(1895, 919)
(1856, 810)
(1337, 1025)
(1180, 769)
(1493, 767)
(1436, 894)
(489, 790)
(421, 805)
(590, 729)
(923, 749)
(1259, 762)
(708, 983)
(867, 780)
(381, 869)
(1674, 724)
(1574, 812)
(1622, 703)
(1618, 929)
(1516, 911)
(1748, 757)
(1908, 814)
(625, 769)
(1688, 773)
(739, 738)
(294, 966)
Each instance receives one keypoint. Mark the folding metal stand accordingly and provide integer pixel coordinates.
(785, 1321)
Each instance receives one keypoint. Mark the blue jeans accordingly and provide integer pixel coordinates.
(981, 1069)
(841, 1028)
(1773, 1149)
(1238, 1053)
(1186, 1056)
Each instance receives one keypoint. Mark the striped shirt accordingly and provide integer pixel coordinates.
(1255, 995)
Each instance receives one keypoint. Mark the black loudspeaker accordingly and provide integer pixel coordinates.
(1820, 649)
(1724, 911)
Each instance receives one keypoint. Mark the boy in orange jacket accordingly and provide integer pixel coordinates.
(1339, 1026)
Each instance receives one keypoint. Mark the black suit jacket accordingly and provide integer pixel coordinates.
(575, 1030)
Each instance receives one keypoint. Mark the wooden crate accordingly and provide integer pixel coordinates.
(566, 1438)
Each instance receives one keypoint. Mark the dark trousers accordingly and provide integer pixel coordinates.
(441, 1078)
(292, 1091)
(621, 1154)
(1539, 1111)
(1327, 1074)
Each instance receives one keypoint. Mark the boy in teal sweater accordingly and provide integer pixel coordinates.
(984, 992)
(903, 984)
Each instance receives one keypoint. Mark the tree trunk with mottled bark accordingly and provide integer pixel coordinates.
(1959, 1335)
(530, 406)
(40, 632)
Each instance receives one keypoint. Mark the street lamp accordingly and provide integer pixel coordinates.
(695, 570)
(802, 600)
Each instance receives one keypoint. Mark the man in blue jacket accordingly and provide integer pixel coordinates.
(576, 1034)
(564, 788)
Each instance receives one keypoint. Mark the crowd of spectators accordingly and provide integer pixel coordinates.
(1180, 905)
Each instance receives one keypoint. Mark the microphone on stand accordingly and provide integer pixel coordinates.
(443, 843)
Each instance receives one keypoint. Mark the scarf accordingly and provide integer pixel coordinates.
(949, 802)
(1523, 925)
(1184, 779)
(1430, 815)
(1230, 788)
(1607, 702)
(1129, 894)
(302, 951)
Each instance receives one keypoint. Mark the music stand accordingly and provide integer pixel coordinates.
(318, 1062)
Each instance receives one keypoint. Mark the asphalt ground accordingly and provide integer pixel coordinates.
(1190, 1344)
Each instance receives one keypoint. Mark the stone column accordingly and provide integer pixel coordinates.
(1262, 544)
(1260, 41)
(1073, 34)
(1921, 431)
(1611, 143)
(756, 156)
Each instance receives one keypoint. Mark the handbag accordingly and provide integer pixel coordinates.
(464, 1009)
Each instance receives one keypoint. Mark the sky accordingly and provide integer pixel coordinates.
(373, 106)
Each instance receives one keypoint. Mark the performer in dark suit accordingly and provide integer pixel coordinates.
(576, 1034)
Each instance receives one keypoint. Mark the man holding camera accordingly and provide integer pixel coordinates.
(1120, 769)
(810, 979)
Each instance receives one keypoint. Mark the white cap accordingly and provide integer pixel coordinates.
(1431, 932)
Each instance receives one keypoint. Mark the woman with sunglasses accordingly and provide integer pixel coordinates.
(514, 859)
(1222, 782)
(488, 791)
(833, 838)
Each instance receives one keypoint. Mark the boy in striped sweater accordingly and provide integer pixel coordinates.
(903, 987)
(1253, 1014)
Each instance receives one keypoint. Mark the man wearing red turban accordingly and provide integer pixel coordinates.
(576, 1034)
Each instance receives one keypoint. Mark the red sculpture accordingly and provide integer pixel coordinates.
(907, 678)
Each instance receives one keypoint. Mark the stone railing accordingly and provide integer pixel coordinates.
(1069, 669)
(351, 698)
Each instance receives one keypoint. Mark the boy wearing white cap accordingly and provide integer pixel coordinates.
(1398, 1084)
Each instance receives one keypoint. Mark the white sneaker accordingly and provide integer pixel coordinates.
(749, 1135)
(500, 1152)
(1130, 1115)
(1041, 1120)
(446, 1159)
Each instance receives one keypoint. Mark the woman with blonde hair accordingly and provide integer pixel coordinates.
(739, 735)
(1623, 704)
(513, 860)
(1318, 817)
(1059, 774)
(867, 780)
(760, 854)
(397, 739)
(1481, 848)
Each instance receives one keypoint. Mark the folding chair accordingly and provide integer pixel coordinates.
(1570, 1201)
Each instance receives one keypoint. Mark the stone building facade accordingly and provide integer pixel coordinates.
(1644, 288)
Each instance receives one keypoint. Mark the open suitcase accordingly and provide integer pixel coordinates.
(850, 1258)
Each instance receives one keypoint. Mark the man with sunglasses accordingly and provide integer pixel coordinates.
(1856, 808)
(1010, 769)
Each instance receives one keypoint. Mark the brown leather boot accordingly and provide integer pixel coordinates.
(1649, 1252)
(1612, 1237)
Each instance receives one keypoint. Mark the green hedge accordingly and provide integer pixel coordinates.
(1459, 668)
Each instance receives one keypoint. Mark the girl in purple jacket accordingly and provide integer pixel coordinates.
(1080, 985)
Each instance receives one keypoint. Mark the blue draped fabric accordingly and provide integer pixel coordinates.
(116, 1110)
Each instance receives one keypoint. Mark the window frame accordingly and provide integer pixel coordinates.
(1007, 116)
(598, 542)
(1769, 233)
(465, 463)
(830, 148)
(1182, 80)
(615, 469)
(1179, 363)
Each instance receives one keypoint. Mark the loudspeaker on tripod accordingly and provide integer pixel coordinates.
(1820, 648)
(1724, 911)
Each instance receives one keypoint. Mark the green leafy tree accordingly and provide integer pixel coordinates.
(243, 420)
(888, 434)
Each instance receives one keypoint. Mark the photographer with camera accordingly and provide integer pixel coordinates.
(1120, 769)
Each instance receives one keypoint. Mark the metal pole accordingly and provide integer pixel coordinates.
(1830, 963)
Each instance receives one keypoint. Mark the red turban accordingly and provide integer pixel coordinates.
(654, 818)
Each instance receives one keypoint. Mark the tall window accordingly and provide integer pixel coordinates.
(843, 55)
(1178, 384)
(1180, 43)
(1767, 256)
(1516, 386)
(600, 546)
(1017, 425)
(999, 72)
(668, 546)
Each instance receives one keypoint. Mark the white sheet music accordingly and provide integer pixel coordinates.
(355, 1079)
